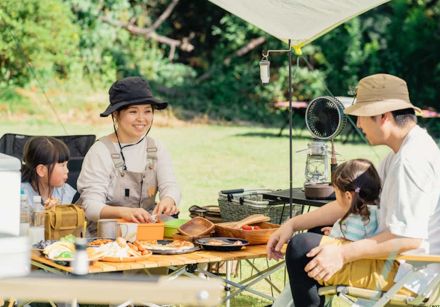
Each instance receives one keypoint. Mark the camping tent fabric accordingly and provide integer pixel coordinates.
(301, 21)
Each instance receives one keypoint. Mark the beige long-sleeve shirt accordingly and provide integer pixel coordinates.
(96, 182)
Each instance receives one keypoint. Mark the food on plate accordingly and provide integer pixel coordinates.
(216, 242)
(60, 250)
(99, 242)
(166, 244)
(250, 227)
(120, 248)
(65, 251)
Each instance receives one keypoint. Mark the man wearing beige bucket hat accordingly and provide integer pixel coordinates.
(409, 217)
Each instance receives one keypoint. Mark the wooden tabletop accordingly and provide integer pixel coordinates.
(203, 256)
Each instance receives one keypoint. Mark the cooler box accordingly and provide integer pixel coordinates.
(15, 256)
(10, 179)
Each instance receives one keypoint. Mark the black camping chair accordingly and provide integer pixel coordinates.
(13, 144)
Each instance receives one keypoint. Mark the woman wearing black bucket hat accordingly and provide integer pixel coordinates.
(124, 170)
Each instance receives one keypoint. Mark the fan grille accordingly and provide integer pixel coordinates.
(325, 117)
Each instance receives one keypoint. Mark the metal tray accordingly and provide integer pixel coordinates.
(43, 243)
(228, 246)
(172, 251)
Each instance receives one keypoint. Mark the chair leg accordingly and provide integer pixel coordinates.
(11, 302)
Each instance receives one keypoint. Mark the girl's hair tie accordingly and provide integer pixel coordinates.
(357, 190)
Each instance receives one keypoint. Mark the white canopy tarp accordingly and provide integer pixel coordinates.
(302, 21)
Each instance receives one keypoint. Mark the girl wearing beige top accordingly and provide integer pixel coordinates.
(123, 171)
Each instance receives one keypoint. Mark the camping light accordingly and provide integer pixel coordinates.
(265, 70)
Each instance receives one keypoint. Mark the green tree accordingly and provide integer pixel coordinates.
(37, 32)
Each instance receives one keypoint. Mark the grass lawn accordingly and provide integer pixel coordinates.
(210, 158)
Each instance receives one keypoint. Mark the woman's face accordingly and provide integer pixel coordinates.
(134, 122)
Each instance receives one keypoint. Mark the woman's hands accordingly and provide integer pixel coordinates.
(278, 239)
(136, 215)
(166, 206)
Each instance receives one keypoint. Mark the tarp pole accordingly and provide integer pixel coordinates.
(290, 131)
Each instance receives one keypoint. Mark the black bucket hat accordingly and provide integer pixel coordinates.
(129, 91)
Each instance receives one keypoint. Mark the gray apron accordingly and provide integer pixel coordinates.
(131, 189)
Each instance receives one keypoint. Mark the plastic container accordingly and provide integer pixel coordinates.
(36, 229)
(150, 231)
(80, 263)
(10, 192)
(172, 226)
(15, 256)
(25, 215)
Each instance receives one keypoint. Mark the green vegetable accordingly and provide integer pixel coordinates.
(69, 238)
(65, 255)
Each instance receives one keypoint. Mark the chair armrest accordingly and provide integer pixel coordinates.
(414, 258)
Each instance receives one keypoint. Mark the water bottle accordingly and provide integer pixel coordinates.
(25, 215)
(36, 229)
(80, 263)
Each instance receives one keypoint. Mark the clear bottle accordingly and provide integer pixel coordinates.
(25, 215)
(36, 229)
(80, 263)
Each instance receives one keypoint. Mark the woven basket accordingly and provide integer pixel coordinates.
(234, 207)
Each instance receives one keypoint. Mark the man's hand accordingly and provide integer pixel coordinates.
(136, 215)
(327, 260)
(277, 240)
(166, 206)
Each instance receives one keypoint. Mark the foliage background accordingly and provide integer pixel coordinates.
(83, 46)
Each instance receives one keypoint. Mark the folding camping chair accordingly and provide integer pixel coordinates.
(352, 296)
(13, 144)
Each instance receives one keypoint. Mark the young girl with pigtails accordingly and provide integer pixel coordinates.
(357, 187)
(44, 171)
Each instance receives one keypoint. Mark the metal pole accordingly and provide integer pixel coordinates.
(290, 132)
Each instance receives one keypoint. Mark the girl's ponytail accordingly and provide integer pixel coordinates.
(358, 176)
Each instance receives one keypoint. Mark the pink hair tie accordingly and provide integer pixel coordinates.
(357, 190)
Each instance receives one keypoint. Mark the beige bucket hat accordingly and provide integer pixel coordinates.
(380, 93)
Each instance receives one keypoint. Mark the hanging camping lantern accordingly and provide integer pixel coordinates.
(265, 70)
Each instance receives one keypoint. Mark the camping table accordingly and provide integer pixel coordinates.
(184, 264)
(298, 197)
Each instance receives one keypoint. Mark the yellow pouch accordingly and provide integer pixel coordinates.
(63, 220)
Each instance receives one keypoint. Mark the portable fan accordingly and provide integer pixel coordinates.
(325, 119)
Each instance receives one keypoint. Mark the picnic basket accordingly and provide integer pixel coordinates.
(238, 204)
